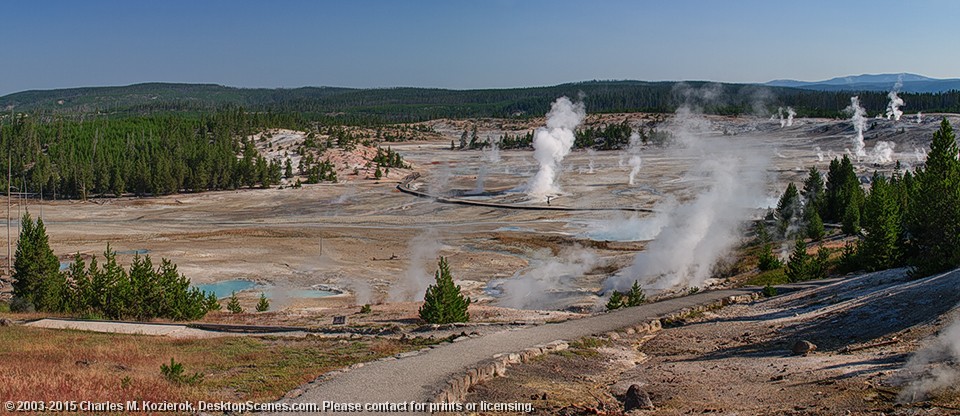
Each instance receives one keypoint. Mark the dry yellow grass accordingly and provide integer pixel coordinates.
(41, 364)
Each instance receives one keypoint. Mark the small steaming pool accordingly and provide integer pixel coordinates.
(138, 251)
(228, 287)
(631, 229)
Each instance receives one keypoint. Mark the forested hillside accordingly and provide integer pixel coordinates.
(365, 106)
(150, 155)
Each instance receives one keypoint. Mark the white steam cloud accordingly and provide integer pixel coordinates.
(545, 280)
(788, 121)
(493, 156)
(551, 144)
(697, 233)
(893, 108)
(883, 152)
(634, 167)
(411, 286)
(859, 120)
(635, 160)
(819, 153)
(919, 117)
(933, 367)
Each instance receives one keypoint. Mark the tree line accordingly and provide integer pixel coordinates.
(393, 105)
(910, 218)
(150, 155)
(109, 291)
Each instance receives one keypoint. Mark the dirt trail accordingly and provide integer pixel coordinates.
(144, 328)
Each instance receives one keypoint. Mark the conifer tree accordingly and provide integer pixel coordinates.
(263, 304)
(615, 301)
(798, 267)
(881, 226)
(233, 305)
(813, 191)
(443, 302)
(933, 218)
(814, 224)
(36, 270)
(851, 218)
(788, 207)
(635, 297)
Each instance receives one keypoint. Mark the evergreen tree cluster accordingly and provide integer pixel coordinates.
(628, 299)
(613, 136)
(909, 218)
(143, 292)
(389, 159)
(150, 155)
(802, 266)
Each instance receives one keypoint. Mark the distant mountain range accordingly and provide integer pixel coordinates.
(874, 82)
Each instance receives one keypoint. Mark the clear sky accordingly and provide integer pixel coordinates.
(467, 44)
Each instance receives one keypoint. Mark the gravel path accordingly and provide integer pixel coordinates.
(417, 378)
(141, 328)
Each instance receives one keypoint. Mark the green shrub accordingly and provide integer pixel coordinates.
(174, 373)
(366, 308)
(769, 291)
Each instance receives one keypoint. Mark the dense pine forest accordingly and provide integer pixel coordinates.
(389, 105)
(150, 155)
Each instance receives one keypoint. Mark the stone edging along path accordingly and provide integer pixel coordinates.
(445, 372)
(458, 386)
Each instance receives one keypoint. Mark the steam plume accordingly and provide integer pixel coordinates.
(697, 233)
(786, 122)
(893, 108)
(634, 167)
(859, 121)
(819, 153)
(930, 368)
(413, 283)
(547, 276)
(493, 156)
(883, 152)
(919, 117)
(551, 144)
(635, 160)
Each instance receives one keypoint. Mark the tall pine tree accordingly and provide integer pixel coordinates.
(881, 226)
(933, 218)
(36, 270)
(443, 303)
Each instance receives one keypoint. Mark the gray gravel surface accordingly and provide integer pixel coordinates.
(417, 378)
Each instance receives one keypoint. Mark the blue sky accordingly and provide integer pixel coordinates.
(467, 44)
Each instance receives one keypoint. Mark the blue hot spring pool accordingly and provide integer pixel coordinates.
(227, 287)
